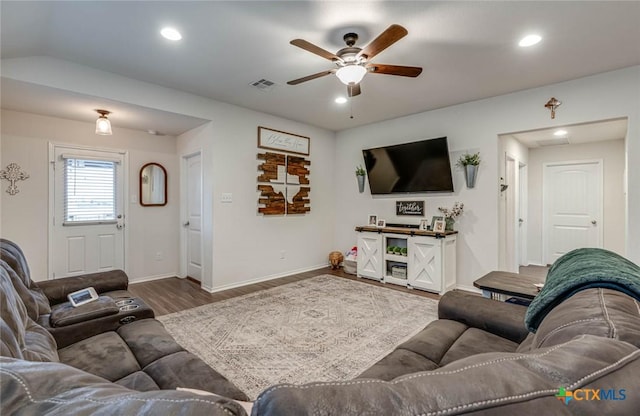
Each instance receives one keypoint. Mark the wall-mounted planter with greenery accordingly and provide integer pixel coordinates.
(469, 163)
(360, 174)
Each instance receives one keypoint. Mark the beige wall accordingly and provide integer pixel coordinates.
(612, 153)
(152, 230)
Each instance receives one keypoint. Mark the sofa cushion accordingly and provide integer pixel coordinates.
(105, 355)
(148, 340)
(20, 336)
(184, 369)
(56, 389)
(476, 341)
(602, 312)
(441, 342)
(139, 380)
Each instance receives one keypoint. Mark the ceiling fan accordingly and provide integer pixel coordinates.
(353, 63)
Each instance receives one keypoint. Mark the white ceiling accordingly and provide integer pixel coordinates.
(575, 134)
(468, 49)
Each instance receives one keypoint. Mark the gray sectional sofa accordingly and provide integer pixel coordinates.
(64, 364)
(477, 358)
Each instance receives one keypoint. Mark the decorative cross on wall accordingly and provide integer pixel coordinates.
(13, 173)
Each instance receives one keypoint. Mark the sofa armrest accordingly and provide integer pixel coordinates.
(499, 318)
(57, 290)
(487, 384)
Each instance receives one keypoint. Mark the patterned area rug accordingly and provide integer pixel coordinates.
(320, 329)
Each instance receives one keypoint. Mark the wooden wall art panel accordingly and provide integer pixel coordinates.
(274, 201)
(283, 192)
(273, 167)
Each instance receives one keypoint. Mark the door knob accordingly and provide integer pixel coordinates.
(594, 222)
(186, 224)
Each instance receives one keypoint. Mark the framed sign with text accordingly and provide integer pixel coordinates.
(283, 141)
(410, 208)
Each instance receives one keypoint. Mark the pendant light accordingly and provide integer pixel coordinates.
(103, 125)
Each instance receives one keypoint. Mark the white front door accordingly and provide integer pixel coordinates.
(193, 223)
(572, 203)
(88, 215)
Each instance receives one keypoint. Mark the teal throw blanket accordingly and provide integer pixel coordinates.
(578, 270)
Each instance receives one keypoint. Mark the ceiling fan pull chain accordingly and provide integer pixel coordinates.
(350, 104)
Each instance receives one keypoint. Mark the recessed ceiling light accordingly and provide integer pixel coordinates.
(529, 40)
(170, 33)
(560, 133)
(341, 100)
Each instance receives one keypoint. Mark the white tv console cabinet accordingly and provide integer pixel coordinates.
(430, 260)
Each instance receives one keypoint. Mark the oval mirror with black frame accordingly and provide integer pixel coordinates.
(153, 185)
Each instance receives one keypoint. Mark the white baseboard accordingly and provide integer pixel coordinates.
(469, 288)
(263, 278)
(151, 278)
(533, 263)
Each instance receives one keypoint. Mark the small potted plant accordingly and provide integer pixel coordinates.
(403, 251)
(391, 249)
(397, 251)
(470, 162)
(360, 174)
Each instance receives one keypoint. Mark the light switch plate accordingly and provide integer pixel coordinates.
(226, 197)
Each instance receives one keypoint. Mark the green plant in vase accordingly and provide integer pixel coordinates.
(403, 251)
(360, 174)
(391, 249)
(469, 163)
(397, 251)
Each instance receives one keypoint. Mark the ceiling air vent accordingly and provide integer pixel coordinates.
(263, 84)
(553, 142)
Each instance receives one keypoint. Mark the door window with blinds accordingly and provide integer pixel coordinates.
(90, 194)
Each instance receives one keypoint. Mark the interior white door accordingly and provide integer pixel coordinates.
(194, 217)
(88, 215)
(573, 207)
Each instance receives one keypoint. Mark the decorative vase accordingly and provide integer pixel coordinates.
(448, 224)
(470, 175)
(360, 183)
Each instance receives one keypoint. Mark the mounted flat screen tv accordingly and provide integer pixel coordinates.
(409, 167)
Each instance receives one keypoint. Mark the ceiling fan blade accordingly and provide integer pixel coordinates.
(310, 47)
(353, 90)
(387, 38)
(310, 77)
(403, 71)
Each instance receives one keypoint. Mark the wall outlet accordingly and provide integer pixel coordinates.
(159, 256)
(283, 254)
(134, 198)
(226, 197)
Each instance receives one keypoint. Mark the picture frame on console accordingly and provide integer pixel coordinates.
(434, 219)
(372, 220)
(439, 226)
(382, 223)
(424, 225)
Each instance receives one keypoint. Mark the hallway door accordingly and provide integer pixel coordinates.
(572, 204)
(193, 223)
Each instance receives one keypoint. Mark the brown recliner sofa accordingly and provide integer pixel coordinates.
(134, 355)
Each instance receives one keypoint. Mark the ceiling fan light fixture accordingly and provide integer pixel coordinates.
(351, 74)
(103, 125)
(340, 100)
